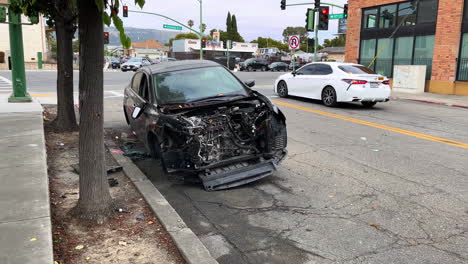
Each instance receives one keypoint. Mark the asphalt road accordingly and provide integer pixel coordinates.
(382, 185)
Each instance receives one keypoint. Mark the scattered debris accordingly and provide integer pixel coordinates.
(363, 138)
(33, 239)
(123, 211)
(112, 182)
(140, 217)
(135, 154)
(63, 196)
(110, 169)
(374, 225)
(375, 150)
(79, 247)
(122, 243)
(117, 151)
(331, 196)
(150, 222)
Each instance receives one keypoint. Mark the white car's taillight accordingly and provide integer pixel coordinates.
(387, 82)
(351, 81)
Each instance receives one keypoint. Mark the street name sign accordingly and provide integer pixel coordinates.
(294, 42)
(336, 16)
(172, 27)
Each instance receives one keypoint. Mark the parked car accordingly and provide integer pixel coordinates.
(254, 64)
(199, 119)
(278, 66)
(334, 82)
(115, 63)
(134, 64)
(223, 61)
(294, 65)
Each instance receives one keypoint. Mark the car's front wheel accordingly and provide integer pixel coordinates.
(329, 96)
(368, 104)
(249, 68)
(282, 89)
(263, 68)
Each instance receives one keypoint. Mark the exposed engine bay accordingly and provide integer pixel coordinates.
(204, 138)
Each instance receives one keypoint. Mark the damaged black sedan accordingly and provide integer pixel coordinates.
(201, 120)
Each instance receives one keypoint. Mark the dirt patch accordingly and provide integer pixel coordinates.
(132, 235)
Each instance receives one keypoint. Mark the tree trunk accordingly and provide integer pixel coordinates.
(66, 119)
(95, 202)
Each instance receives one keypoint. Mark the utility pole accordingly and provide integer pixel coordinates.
(201, 28)
(316, 36)
(18, 73)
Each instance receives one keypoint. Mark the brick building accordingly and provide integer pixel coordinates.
(418, 32)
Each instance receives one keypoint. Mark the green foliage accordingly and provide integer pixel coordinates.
(270, 43)
(231, 29)
(289, 31)
(339, 41)
(203, 28)
(234, 23)
(183, 36)
(229, 22)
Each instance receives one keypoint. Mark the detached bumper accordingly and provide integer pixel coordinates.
(236, 174)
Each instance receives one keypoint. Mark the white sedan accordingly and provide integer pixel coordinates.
(334, 82)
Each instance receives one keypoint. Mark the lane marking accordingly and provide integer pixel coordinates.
(43, 95)
(375, 125)
(5, 80)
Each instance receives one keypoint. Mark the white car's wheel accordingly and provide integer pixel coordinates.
(329, 96)
(282, 89)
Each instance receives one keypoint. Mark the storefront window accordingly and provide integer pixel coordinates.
(407, 13)
(403, 51)
(370, 18)
(427, 11)
(387, 18)
(383, 63)
(367, 52)
(463, 60)
(423, 52)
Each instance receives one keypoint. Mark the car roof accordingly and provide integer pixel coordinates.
(333, 63)
(180, 65)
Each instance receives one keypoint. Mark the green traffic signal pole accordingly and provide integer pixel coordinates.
(18, 73)
(201, 28)
(183, 25)
(316, 23)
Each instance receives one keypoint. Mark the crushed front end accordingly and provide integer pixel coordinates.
(227, 144)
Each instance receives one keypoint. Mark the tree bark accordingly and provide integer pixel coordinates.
(64, 29)
(95, 202)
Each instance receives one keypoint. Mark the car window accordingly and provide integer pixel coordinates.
(136, 82)
(185, 85)
(144, 92)
(323, 69)
(355, 69)
(307, 70)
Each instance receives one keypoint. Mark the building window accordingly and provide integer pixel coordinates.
(367, 52)
(463, 60)
(465, 10)
(387, 18)
(423, 52)
(403, 51)
(383, 63)
(370, 18)
(427, 11)
(407, 14)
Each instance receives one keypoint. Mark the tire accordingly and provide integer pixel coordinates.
(329, 96)
(368, 104)
(249, 69)
(124, 70)
(263, 68)
(282, 89)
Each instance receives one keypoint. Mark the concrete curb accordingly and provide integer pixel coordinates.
(189, 245)
(431, 102)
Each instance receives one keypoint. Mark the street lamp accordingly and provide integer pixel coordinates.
(201, 26)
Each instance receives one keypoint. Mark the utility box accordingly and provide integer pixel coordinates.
(409, 78)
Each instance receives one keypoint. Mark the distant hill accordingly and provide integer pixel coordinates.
(140, 34)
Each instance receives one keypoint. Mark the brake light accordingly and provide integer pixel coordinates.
(351, 82)
(387, 82)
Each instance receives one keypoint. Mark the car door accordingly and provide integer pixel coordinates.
(322, 77)
(142, 101)
(300, 83)
(131, 94)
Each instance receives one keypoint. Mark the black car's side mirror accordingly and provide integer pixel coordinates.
(250, 83)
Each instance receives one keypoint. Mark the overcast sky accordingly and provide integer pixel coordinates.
(254, 17)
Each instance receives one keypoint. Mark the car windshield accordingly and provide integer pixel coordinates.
(355, 69)
(134, 60)
(196, 84)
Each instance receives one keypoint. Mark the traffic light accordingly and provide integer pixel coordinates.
(323, 18)
(283, 4)
(317, 4)
(106, 37)
(2, 14)
(310, 19)
(225, 44)
(125, 11)
(311, 42)
(345, 10)
(203, 43)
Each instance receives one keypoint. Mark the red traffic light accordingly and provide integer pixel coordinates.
(325, 11)
(125, 8)
(204, 40)
(106, 34)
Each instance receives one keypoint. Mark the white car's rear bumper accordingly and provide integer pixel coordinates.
(357, 93)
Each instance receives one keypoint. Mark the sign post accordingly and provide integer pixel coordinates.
(294, 44)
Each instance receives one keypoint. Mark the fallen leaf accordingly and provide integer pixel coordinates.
(88, 258)
(79, 247)
(33, 239)
(150, 222)
(374, 225)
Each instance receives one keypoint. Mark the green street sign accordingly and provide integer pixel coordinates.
(337, 16)
(172, 27)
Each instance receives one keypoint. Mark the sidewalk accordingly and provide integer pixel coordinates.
(25, 223)
(441, 99)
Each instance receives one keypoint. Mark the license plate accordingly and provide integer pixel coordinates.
(374, 85)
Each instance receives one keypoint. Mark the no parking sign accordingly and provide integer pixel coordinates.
(294, 42)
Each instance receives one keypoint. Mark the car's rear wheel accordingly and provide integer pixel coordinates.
(329, 96)
(282, 89)
(368, 104)
(263, 68)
